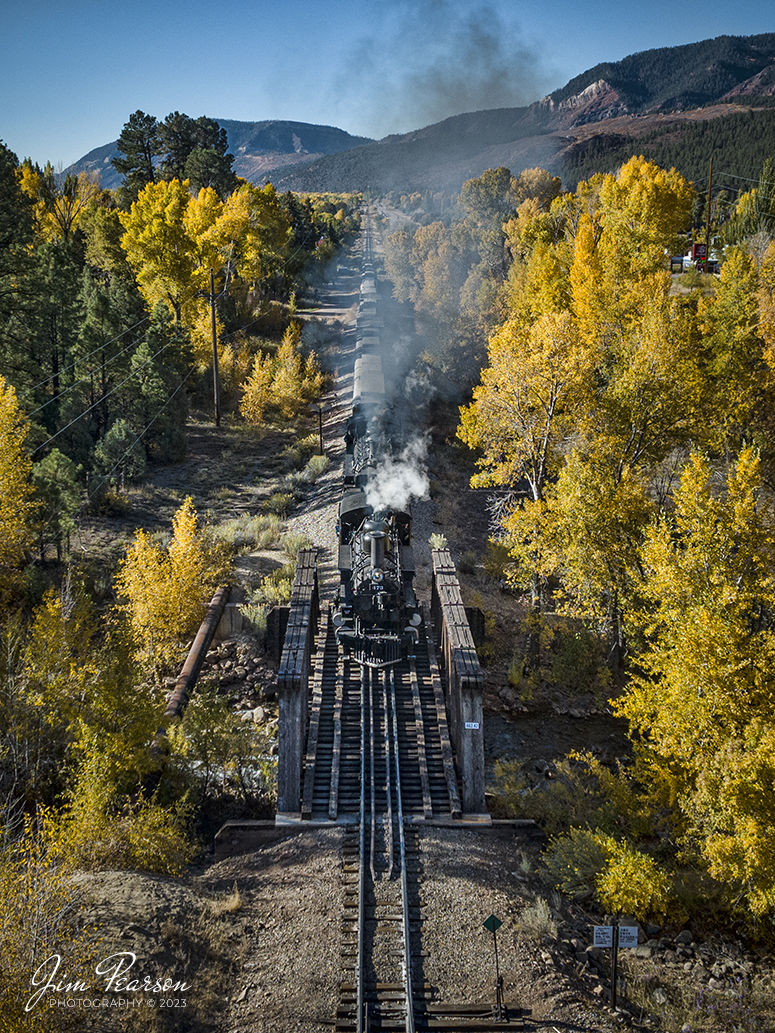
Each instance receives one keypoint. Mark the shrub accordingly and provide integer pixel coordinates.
(467, 563)
(275, 589)
(222, 752)
(625, 880)
(316, 467)
(292, 544)
(254, 616)
(497, 561)
(104, 830)
(248, 532)
(280, 504)
(576, 660)
(537, 921)
(40, 906)
(575, 861)
(631, 882)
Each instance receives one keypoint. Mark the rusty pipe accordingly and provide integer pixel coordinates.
(178, 698)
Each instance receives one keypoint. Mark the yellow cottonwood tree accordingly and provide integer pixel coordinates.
(528, 399)
(159, 245)
(167, 590)
(633, 370)
(16, 505)
(702, 702)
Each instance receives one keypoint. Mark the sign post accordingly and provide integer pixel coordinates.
(492, 924)
(615, 936)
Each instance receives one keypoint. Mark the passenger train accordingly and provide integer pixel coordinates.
(376, 612)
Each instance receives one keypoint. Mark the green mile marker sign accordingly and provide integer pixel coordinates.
(492, 923)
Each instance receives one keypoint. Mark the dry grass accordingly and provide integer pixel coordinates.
(681, 1005)
(227, 904)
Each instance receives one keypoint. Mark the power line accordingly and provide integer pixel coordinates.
(142, 433)
(89, 354)
(100, 400)
(138, 437)
(83, 380)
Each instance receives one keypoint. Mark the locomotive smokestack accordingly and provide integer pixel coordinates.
(375, 542)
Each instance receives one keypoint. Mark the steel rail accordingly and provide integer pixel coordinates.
(388, 819)
(372, 740)
(362, 860)
(410, 1027)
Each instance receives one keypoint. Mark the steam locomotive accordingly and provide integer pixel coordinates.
(376, 612)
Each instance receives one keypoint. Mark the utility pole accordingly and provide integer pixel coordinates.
(707, 217)
(216, 385)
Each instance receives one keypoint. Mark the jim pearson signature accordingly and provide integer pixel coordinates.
(114, 971)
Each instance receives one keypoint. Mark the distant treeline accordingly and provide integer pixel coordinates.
(739, 145)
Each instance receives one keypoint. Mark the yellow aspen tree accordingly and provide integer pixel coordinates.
(767, 303)
(16, 504)
(287, 382)
(734, 349)
(159, 247)
(701, 700)
(257, 389)
(313, 378)
(167, 590)
(526, 404)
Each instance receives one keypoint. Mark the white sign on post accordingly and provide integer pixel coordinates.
(604, 936)
(628, 936)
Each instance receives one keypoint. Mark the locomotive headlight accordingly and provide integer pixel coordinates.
(376, 576)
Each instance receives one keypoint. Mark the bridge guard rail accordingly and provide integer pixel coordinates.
(463, 677)
(293, 681)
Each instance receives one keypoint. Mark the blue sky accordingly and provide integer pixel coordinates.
(72, 71)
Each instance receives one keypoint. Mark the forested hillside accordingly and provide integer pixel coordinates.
(739, 145)
(622, 419)
(113, 306)
(560, 132)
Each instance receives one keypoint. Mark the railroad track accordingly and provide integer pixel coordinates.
(332, 775)
(377, 755)
(381, 864)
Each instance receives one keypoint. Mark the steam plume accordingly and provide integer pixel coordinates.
(398, 481)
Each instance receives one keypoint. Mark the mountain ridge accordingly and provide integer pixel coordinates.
(258, 148)
(717, 78)
(714, 78)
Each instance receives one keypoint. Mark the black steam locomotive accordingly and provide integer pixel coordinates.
(376, 611)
